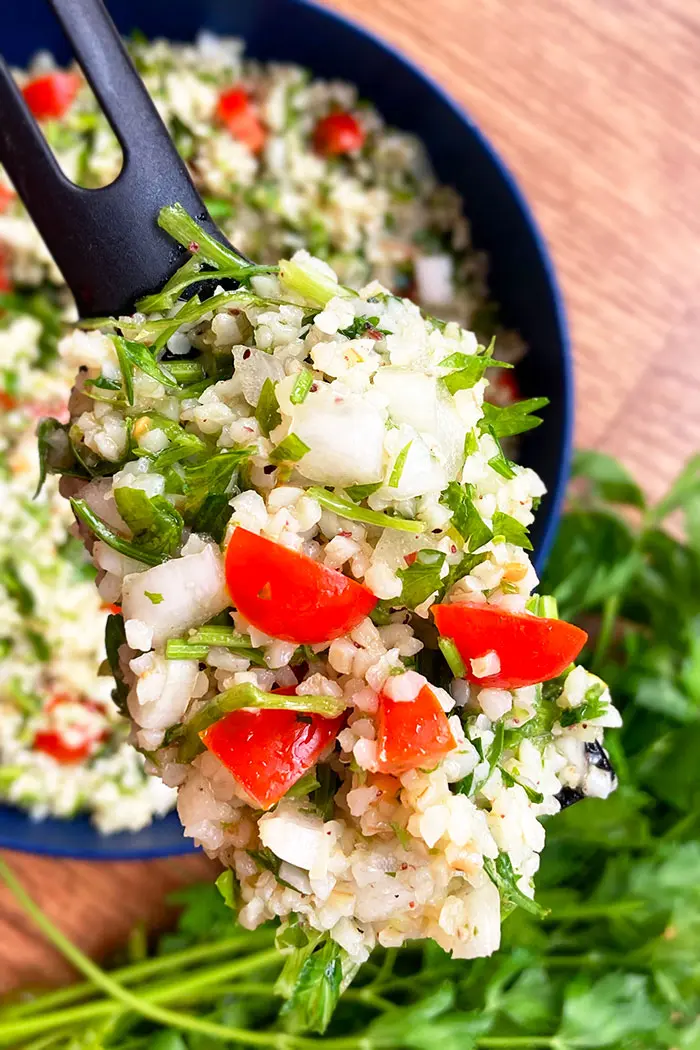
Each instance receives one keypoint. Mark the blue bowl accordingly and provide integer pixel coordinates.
(521, 275)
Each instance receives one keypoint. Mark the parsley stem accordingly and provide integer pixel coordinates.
(147, 1003)
(510, 1042)
(611, 607)
(148, 968)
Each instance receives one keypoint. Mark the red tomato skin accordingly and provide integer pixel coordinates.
(412, 734)
(5, 282)
(531, 649)
(236, 111)
(289, 595)
(51, 95)
(504, 388)
(50, 743)
(6, 197)
(267, 751)
(338, 133)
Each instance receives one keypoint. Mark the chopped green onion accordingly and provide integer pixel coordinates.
(310, 284)
(186, 371)
(183, 228)
(290, 450)
(543, 605)
(397, 469)
(302, 385)
(451, 653)
(345, 508)
(181, 649)
(246, 694)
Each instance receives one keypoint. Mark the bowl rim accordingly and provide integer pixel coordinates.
(556, 492)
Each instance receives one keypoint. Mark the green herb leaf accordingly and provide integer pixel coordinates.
(511, 530)
(115, 637)
(267, 412)
(609, 1012)
(504, 879)
(593, 706)
(56, 452)
(465, 517)
(228, 888)
(213, 477)
(155, 524)
(135, 355)
(421, 578)
(316, 992)
(470, 368)
(103, 532)
(517, 418)
(154, 597)
(510, 780)
(15, 587)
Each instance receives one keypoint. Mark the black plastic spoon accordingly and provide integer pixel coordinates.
(105, 242)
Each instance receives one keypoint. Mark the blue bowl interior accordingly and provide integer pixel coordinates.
(521, 276)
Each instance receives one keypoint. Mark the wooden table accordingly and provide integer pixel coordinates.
(595, 104)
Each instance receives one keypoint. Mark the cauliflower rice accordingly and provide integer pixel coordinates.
(376, 210)
(347, 437)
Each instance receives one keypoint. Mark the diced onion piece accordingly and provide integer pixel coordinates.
(193, 590)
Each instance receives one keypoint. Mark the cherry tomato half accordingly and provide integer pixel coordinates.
(338, 133)
(51, 95)
(289, 595)
(531, 649)
(6, 198)
(54, 743)
(412, 734)
(237, 112)
(267, 751)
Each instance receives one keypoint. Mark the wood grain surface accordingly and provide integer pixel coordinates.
(595, 105)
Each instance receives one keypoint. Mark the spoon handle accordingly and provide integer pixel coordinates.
(106, 242)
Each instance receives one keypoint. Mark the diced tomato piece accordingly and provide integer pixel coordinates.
(530, 649)
(6, 197)
(7, 401)
(51, 95)
(5, 283)
(289, 595)
(237, 112)
(52, 742)
(503, 388)
(412, 734)
(112, 607)
(338, 133)
(267, 751)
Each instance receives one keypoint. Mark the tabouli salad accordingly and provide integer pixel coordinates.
(327, 642)
(283, 162)
(63, 747)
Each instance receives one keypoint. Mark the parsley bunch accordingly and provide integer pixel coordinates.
(615, 960)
